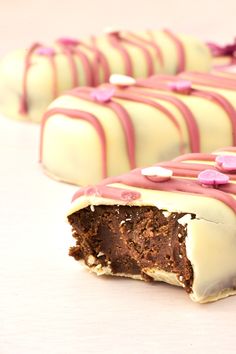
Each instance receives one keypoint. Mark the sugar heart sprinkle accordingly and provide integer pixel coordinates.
(226, 163)
(212, 178)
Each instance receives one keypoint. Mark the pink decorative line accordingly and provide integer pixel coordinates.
(23, 104)
(180, 50)
(122, 115)
(162, 81)
(128, 129)
(108, 192)
(100, 60)
(138, 98)
(196, 157)
(69, 53)
(223, 103)
(190, 120)
(183, 185)
(147, 55)
(209, 80)
(156, 47)
(116, 42)
(88, 70)
(77, 114)
(54, 77)
(190, 169)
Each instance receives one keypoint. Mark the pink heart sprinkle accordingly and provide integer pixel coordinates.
(67, 41)
(181, 86)
(212, 178)
(103, 94)
(226, 162)
(45, 51)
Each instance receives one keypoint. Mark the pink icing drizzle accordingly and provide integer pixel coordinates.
(100, 60)
(115, 41)
(150, 43)
(68, 51)
(188, 116)
(161, 108)
(48, 53)
(210, 80)
(147, 56)
(156, 47)
(23, 109)
(162, 82)
(184, 185)
(180, 50)
(122, 115)
(77, 114)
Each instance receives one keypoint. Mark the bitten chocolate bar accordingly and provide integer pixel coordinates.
(173, 222)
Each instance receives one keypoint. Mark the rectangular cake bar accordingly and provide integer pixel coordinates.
(173, 222)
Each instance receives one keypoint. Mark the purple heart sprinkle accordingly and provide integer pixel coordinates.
(181, 86)
(103, 94)
(212, 178)
(226, 162)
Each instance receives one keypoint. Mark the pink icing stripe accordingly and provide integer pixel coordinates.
(161, 82)
(23, 104)
(222, 102)
(88, 70)
(184, 185)
(68, 51)
(156, 47)
(108, 192)
(137, 98)
(123, 116)
(116, 42)
(128, 128)
(77, 114)
(196, 156)
(147, 56)
(54, 77)
(100, 60)
(190, 120)
(190, 169)
(180, 50)
(210, 80)
(149, 43)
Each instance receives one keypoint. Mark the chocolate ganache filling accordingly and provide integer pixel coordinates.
(129, 240)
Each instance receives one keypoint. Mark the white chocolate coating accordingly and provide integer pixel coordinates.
(40, 79)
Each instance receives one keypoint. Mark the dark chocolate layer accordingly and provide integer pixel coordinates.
(130, 239)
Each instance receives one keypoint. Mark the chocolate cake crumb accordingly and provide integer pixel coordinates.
(130, 239)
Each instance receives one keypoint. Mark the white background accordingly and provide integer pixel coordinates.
(24, 21)
(48, 304)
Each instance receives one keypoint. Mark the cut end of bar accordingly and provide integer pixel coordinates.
(138, 242)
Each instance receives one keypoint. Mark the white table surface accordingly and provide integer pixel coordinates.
(50, 305)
